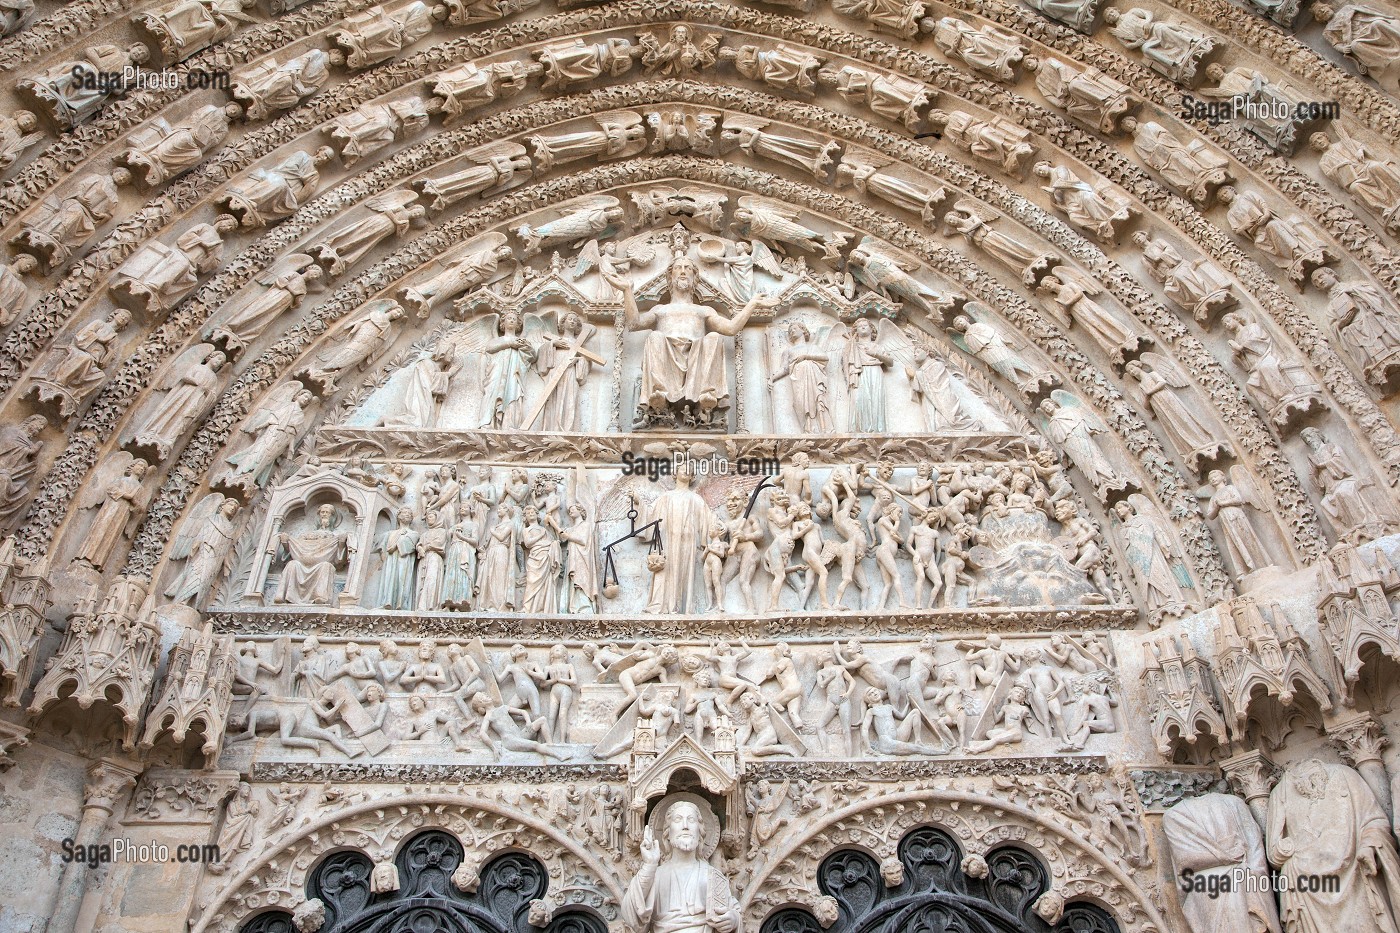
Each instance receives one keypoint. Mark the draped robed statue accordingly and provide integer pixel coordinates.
(680, 892)
(685, 378)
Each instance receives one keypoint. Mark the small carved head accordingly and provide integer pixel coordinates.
(892, 871)
(975, 866)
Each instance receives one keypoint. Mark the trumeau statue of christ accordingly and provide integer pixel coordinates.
(682, 893)
(685, 382)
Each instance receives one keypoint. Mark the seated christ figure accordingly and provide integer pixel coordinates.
(685, 381)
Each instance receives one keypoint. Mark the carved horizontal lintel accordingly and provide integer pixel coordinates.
(791, 626)
(334, 443)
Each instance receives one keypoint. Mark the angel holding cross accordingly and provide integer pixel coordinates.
(564, 361)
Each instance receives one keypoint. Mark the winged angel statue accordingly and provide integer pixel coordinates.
(203, 543)
(798, 353)
(737, 281)
(586, 218)
(612, 259)
(116, 493)
(872, 348)
(891, 277)
(778, 224)
(495, 352)
(272, 428)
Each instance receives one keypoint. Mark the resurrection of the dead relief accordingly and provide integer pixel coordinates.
(699, 467)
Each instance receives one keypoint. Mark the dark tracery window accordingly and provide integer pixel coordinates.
(935, 895)
(427, 901)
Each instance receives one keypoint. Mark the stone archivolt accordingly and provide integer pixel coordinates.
(394, 405)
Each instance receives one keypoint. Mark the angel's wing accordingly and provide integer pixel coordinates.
(863, 276)
(588, 259)
(189, 358)
(199, 518)
(473, 336)
(593, 202)
(107, 472)
(976, 209)
(287, 265)
(1164, 366)
(271, 403)
(1140, 503)
(486, 243)
(534, 326)
(1243, 480)
(764, 206)
(1069, 400)
(395, 200)
(764, 259)
(892, 340)
(1075, 276)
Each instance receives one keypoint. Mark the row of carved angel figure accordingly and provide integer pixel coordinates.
(1367, 324)
(1092, 205)
(832, 700)
(1353, 502)
(162, 151)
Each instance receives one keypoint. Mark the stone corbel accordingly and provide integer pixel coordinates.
(1360, 739)
(107, 658)
(1252, 775)
(198, 689)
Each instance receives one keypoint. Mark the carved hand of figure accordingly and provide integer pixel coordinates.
(762, 300)
(1367, 858)
(615, 279)
(651, 849)
(725, 924)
